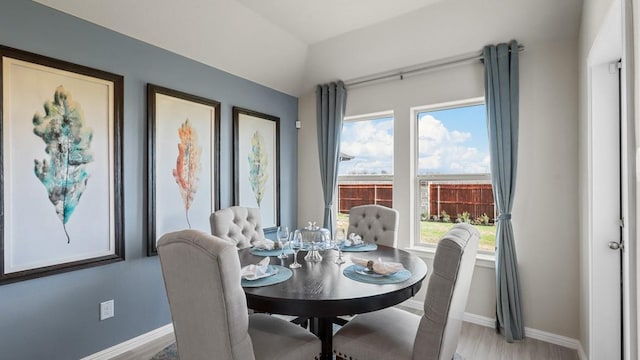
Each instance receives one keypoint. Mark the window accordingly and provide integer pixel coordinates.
(453, 172)
(365, 171)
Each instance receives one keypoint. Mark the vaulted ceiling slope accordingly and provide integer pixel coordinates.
(290, 45)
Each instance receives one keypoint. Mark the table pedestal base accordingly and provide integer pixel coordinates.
(323, 328)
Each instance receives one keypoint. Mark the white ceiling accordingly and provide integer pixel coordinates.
(314, 21)
(289, 45)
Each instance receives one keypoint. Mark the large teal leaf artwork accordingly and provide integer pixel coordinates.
(68, 140)
(258, 166)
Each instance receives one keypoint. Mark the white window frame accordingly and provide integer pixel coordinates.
(372, 178)
(485, 258)
(368, 117)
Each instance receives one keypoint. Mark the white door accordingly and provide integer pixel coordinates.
(605, 185)
(605, 310)
(612, 190)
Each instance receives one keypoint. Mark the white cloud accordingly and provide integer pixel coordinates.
(440, 150)
(459, 137)
(444, 151)
(366, 166)
(371, 145)
(364, 138)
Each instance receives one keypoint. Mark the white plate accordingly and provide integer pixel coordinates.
(364, 271)
(357, 246)
(263, 249)
(271, 270)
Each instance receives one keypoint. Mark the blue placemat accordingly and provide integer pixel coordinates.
(353, 273)
(360, 248)
(283, 275)
(262, 252)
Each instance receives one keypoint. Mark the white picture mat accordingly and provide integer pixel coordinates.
(33, 234)
(248, 125)
(171, 113)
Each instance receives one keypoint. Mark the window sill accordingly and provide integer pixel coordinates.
(482, 260)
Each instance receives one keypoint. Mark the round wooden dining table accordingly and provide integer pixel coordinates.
(319, 290)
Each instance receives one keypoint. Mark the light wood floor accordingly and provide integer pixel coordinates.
(476, 343)
(482, 343)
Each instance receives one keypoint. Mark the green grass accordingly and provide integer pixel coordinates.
(342, 222)
(431, 232)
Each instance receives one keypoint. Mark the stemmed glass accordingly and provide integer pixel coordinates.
(295, 244)
(339, 243)
(283, 236)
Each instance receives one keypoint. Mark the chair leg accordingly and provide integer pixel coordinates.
(340, 321)
(302, 321)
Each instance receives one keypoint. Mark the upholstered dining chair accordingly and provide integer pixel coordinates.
(374, 223)
(209, 309)
(237, 224)
(397, 334)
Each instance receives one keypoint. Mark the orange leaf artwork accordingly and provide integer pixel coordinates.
(187, 165)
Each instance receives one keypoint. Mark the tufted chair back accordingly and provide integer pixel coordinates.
(208, 307)
(374, 223)
(447, 293)
(237, 224)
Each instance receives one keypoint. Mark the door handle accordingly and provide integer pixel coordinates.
(614, 245)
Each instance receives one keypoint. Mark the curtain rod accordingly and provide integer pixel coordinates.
(401, 73)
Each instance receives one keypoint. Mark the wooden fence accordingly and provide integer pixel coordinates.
(454, 198)
(477, 199)
(351, 195)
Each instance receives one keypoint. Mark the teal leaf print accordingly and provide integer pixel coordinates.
(68, 140)
(258, 166)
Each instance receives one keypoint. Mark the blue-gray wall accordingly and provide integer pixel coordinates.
(56, 317)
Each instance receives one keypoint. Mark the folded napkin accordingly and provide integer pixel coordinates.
(379, 267)
(256, 271)
(264, 244)
(354, 240)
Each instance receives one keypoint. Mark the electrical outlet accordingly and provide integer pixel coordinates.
(106, 310)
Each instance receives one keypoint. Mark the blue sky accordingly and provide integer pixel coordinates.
(451, 141)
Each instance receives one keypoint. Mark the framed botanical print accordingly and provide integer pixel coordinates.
(257, 164)
(61, 185)
(183, 169)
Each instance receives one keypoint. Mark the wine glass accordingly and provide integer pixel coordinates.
(295, 244)
(339, 243)
(283, 235)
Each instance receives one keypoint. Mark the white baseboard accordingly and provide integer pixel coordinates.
(529, 332)
(131, 344)
(480, 320)
(552, 338)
